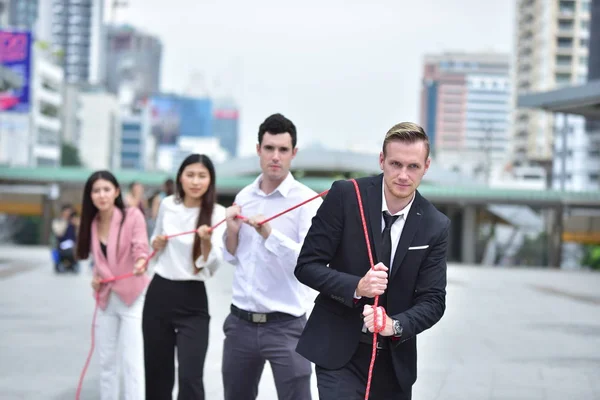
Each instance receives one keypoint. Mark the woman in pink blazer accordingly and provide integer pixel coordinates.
(117, 239)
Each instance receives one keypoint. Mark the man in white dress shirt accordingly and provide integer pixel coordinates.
(268, 311)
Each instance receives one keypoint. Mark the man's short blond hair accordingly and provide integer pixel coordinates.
(407, 132)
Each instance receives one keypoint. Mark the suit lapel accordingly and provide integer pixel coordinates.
(113, 237)
(408, 233)
(374, 217)
(95, 239)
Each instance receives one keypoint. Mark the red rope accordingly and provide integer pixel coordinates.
(376, 328)
(131, 274)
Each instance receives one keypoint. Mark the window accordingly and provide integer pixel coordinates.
(47, 137)
(130, 140)
(49, 110)
(565, 42)
(585, 6)
(566, 25)
(563, 60)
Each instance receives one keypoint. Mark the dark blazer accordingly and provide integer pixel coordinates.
(334, 258)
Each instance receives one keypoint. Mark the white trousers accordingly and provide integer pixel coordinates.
(120, 346)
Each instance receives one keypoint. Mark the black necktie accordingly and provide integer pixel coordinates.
(386, 250)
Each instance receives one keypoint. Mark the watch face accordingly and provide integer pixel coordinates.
(397, 328)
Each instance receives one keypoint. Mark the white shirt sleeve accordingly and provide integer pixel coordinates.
(158, 225)
(215, 256)
(285, 248)
(227, 256)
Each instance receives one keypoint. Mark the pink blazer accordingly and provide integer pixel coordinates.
(133, 244)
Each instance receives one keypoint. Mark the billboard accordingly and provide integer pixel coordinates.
(178, 116)
(14, 145)
(15, 71)
(226, 128)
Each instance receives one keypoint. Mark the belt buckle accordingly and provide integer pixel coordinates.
(259, 318)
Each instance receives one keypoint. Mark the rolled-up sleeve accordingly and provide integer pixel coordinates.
(227, 256)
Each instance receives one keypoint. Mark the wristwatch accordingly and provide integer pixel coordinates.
(397, 328)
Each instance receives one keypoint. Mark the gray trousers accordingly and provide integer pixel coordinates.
(248, 345)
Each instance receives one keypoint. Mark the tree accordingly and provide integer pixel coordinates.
(69, 156)
(591, 257)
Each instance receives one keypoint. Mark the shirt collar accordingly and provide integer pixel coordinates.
(403, 212)
(284, 187)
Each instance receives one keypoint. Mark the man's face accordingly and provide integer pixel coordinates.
(403, 166)
(276, 154)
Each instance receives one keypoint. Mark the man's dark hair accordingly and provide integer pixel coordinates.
(276, 124)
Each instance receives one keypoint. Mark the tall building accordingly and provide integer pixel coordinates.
(18, 14)
(594, 54)
(551, 50)
(133, 59)
(135, 143)
(47, 101)
(465, 108)
(4, 13)
(78, 34)
(98, 143)
(226, 125)
(594, 48)
(577, 159)
(31, 85)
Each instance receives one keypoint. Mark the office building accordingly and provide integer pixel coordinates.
(133, 58)
(465, 108)
(225, 125)
(551, 50)
(18, 14)
(78, 35)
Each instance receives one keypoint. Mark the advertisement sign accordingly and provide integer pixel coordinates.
(179, 116)
(14, 146)
(166, 120)
(15, 71)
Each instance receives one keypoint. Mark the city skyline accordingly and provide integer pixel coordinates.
(351, 69)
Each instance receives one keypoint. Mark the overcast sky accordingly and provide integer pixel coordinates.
(335, 67)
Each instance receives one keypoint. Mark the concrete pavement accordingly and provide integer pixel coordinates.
(507, 334)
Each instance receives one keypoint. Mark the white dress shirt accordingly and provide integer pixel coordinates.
(264, 279)
(397, 226)
(174, 262)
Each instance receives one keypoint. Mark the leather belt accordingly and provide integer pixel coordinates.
(367, 338)
(260, 318)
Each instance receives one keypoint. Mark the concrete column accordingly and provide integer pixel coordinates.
(47, 215)
(555, 237)
(469, 234)
(453, 212)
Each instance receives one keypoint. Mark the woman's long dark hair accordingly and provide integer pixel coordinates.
(89, 211)
(208, 200)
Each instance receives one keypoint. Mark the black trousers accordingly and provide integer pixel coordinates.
(350, 381)
(175, 316)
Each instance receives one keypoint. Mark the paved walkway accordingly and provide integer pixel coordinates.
(507, 334)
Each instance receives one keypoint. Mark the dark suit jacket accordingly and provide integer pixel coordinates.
(416, 288)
